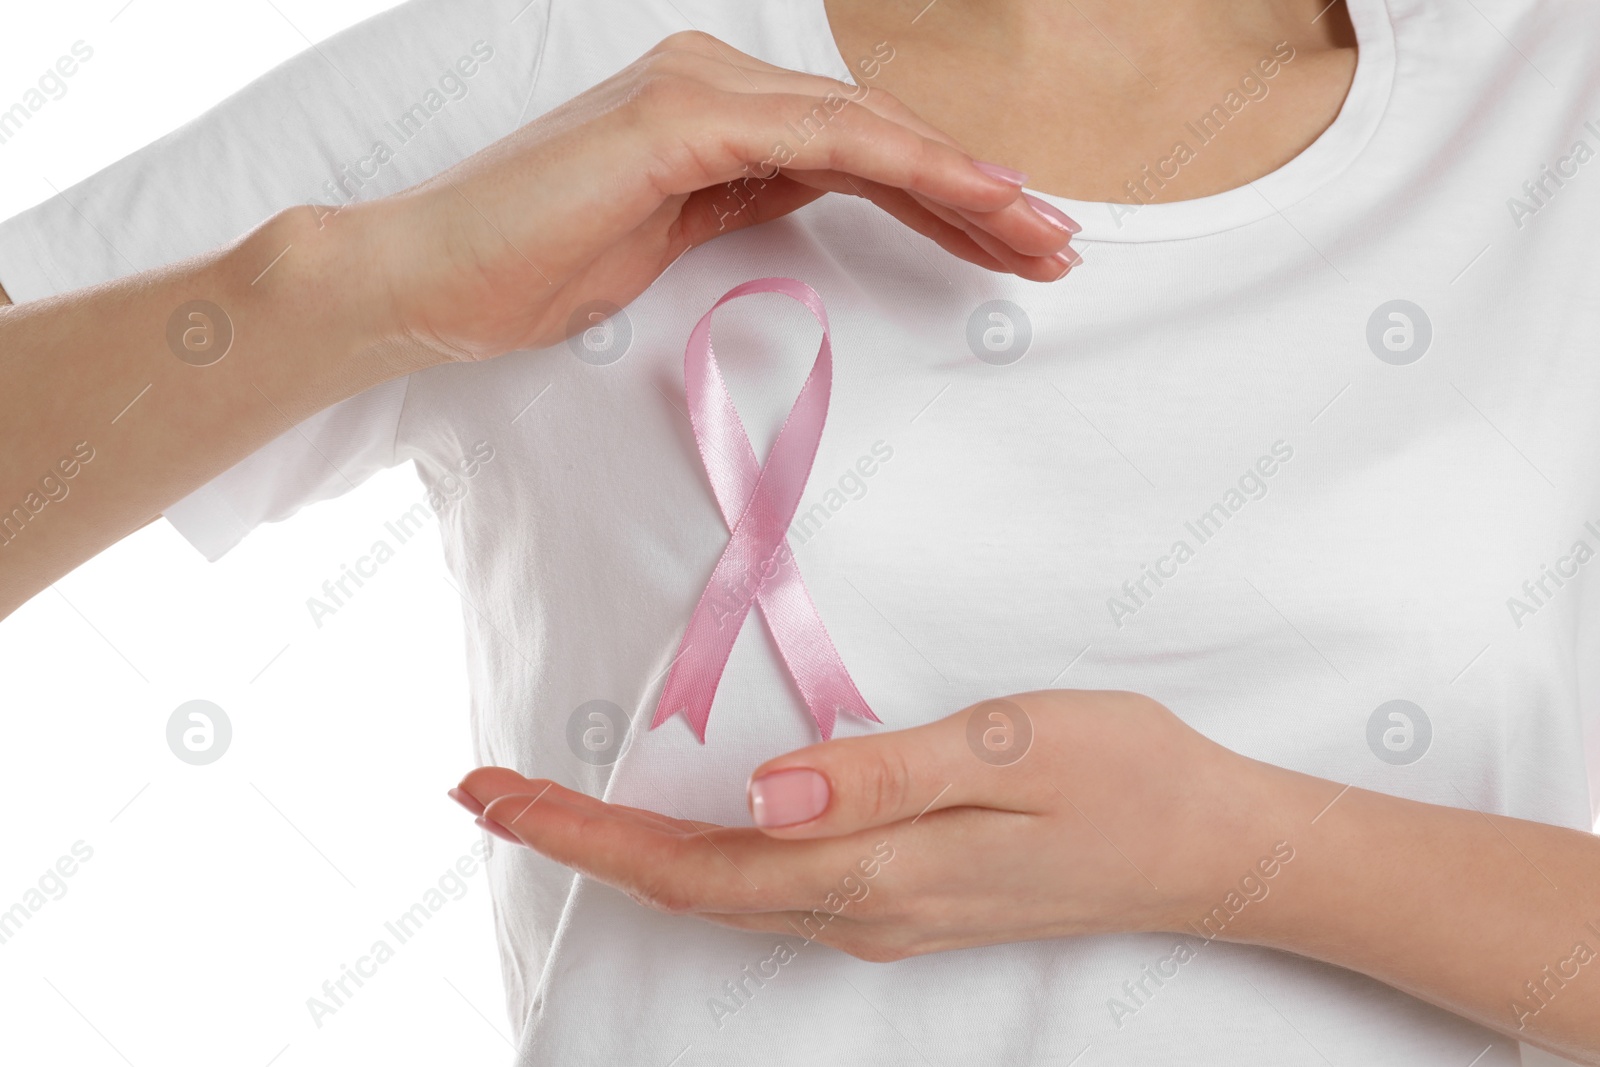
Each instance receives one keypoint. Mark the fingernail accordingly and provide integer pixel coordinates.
(1068, 259)
(1005, 174)
(497, 830)
(1052, 214)
(466, 800)
(784, 798)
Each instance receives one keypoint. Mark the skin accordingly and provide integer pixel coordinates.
(492, 255)
(1082, 95)
(1046, 846)
(1118, 818)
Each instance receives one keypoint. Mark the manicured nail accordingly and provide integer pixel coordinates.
(497, 830)
(466, 800)
(784, 798)
(1005, 174)
(1052, 214)
(1068, 259)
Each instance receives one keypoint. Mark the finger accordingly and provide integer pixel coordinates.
(1046, 266)
(1035, 268)
(1042, 268)
(1017, 223)
(485, 784)
(488, 784)
(850, 784)
(844, 136)
(701, 869)
(711, 212)
(946, 226)
(718, 209)
(817, 925)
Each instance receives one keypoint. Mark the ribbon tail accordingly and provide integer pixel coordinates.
(808, 652)
(708, 640)
(687, 693)
(697, 716)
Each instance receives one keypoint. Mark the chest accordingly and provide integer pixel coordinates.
(1274, 521)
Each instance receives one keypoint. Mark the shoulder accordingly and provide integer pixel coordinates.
(1553, 41)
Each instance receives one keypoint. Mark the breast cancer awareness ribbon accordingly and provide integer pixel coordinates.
(757, 565)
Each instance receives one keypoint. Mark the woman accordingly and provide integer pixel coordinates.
(1260, 421)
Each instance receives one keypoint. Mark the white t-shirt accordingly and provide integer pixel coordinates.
(1228, 470)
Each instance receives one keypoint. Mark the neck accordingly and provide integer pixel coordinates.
(1081, 94)
(1165, 39)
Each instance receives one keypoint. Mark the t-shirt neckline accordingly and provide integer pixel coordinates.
(1323, 160)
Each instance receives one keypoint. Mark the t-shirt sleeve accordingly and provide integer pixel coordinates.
(374, 110)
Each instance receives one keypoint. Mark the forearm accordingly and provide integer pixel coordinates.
(1493, 918)
(92, 373)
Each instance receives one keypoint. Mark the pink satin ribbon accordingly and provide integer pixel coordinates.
(757, 566)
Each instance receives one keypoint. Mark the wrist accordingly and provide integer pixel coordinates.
(323, 276)
(1245, 840)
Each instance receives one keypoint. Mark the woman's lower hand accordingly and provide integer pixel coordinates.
(1040, 815)
(592, 201)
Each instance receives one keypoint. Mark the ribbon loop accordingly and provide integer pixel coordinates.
(757, 566)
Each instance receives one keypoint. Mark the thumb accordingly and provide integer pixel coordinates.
(839, 787)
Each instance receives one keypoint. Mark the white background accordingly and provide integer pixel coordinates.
(219, 898)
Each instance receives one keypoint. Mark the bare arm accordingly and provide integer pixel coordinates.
(105, 425)
(1121, 818)
(1494, 918)
(493, 255)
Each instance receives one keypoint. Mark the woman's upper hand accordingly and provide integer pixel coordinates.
(592, 201)
(517, 246)
(1040, 815)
